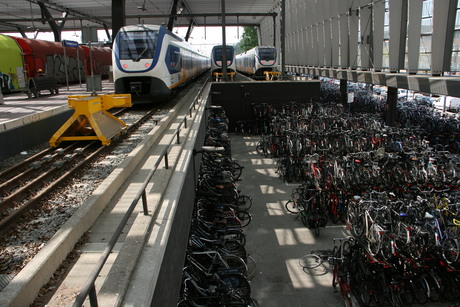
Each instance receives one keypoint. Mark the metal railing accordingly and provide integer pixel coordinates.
(90, 288)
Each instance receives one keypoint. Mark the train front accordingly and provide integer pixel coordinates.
(136, 53)
(217, 59)
(266, 57)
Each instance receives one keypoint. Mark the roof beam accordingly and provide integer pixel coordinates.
(101, 19)
(55, 27)
(173, 15)
(77, 15)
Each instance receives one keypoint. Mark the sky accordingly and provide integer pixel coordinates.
(201, 38)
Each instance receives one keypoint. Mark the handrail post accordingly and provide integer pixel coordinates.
(93, 296)
(185, 120)
(144, 203)
(177, 134)
(166, 160)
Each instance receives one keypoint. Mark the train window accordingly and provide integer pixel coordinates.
(137, 45)
(173, 59)
(218, 53)
(267, 54)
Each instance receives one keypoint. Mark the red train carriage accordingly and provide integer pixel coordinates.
(46, 59)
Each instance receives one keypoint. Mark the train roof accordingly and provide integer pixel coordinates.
(140, 27)
(226, 46)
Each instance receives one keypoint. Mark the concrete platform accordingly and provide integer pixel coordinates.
(25, 123)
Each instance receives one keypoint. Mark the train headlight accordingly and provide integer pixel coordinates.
(147, 65)
(125, 66)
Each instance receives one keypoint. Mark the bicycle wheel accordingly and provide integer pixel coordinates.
(303, 218)
(316, 228)
(292, 207)
(365, 293)
(310, 261)
(234, 247)
(244, 202)
(236, 170)
(374, 239)
(450, 250)
(420, 289)
(251, 264)
(346, 293)
(238, 283)
(244, 217)
(334, 208)
(233, 234)
(335, 275)
(233, 262)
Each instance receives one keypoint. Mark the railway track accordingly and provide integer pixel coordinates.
(24, 185)
(25, 232)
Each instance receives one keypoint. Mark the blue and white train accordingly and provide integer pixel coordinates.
(149, 61)
(256, 61)
(216, 59)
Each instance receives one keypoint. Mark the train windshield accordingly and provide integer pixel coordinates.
(218, 53)
(267, 54)
(137, 45)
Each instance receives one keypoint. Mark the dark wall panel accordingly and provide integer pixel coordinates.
(169, 282)
(25, 137)
(237, 98)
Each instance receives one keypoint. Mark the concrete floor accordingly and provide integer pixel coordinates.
(276, 240)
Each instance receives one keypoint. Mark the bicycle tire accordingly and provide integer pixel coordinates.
(236, 170)
(252, 266)
(316, 229)
(303, 218)
(292, 207)
(374, 240)
(238, 283)
(334, 208)
(420, 289)
(244, 202)
(346, 295)
(233, 262)
(335, 275)
(245, 218)
(310, 261)
(260, 149)
(365, 293)
(234, 234)
(450, 250)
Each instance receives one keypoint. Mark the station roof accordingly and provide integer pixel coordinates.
(33, 15)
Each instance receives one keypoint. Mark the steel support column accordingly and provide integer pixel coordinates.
(344, 37)
(353, 23)
(224, 44)
(344, 93)
(390, 106)
(378, 19)
(283, 41)
(365, 39)
(398, 30)
(444, 13)
(335, 32)
(413, 34)
(118, 16)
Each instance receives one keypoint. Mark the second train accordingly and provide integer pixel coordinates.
(258, 60)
